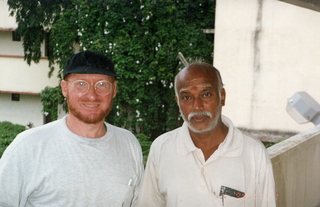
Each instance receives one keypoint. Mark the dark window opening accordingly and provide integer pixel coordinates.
(16, 36)
(48, 50)
(15, 97)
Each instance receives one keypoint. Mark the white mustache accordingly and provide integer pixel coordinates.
(199, 113)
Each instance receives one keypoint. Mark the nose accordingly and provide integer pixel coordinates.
(198, 104)
(91, 94)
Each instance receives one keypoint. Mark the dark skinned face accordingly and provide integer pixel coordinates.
(200, 98)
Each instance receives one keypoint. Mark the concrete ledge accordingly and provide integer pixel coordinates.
(296, 166)
(308, 4)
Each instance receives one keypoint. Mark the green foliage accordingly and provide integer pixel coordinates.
(8, 132)
(51, 98)
(34, 19)
(142, 38)
(145, 145)
(268, 144)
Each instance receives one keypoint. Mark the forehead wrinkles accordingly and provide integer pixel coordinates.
(90, 78)
(202, 85)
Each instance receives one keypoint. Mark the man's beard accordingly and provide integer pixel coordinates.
(89, 119)
(211, 126)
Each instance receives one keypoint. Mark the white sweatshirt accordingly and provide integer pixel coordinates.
(51, 166)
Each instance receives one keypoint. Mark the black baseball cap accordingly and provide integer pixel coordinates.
(89, 62)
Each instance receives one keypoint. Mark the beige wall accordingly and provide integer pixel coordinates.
(266, 51)
(25, 111)
(9, 47)
(296, 166)
(6, 22)
(16, 75)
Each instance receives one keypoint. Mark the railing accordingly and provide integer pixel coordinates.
(296, 166)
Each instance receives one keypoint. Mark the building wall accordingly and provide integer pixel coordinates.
(266, 51)
(6, 22)
(296, 167)
(9, 47)
(25, 111)
(17, 77)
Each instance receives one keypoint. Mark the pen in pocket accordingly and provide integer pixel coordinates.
(130, 182)
(230, 192)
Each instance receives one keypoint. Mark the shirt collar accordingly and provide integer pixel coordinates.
(232, 145)
(185, 143)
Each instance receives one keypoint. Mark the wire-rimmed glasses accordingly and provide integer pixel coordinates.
(102, 88)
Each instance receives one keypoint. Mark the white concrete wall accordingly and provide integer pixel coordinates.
(6, 21)
(9, 47)
(25, 111)
(16, 75)
(266, 51)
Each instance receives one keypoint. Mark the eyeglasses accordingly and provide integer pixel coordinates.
(102, 88)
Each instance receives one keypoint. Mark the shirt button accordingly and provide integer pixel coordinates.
(203, 170)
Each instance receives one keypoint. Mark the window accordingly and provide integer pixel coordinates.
(15, 97)
(48, 50)
(15, 36)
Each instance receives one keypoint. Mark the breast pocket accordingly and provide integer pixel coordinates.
(128, 198)
(230, 197)
(228, 201)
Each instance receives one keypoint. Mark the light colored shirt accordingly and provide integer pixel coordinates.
(51, 166)
(177, 174)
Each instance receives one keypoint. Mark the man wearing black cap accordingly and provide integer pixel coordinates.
(79, 160)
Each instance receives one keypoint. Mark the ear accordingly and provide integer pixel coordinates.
(177, 101)
(64, 88)
(114, 89)
(223, 96)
